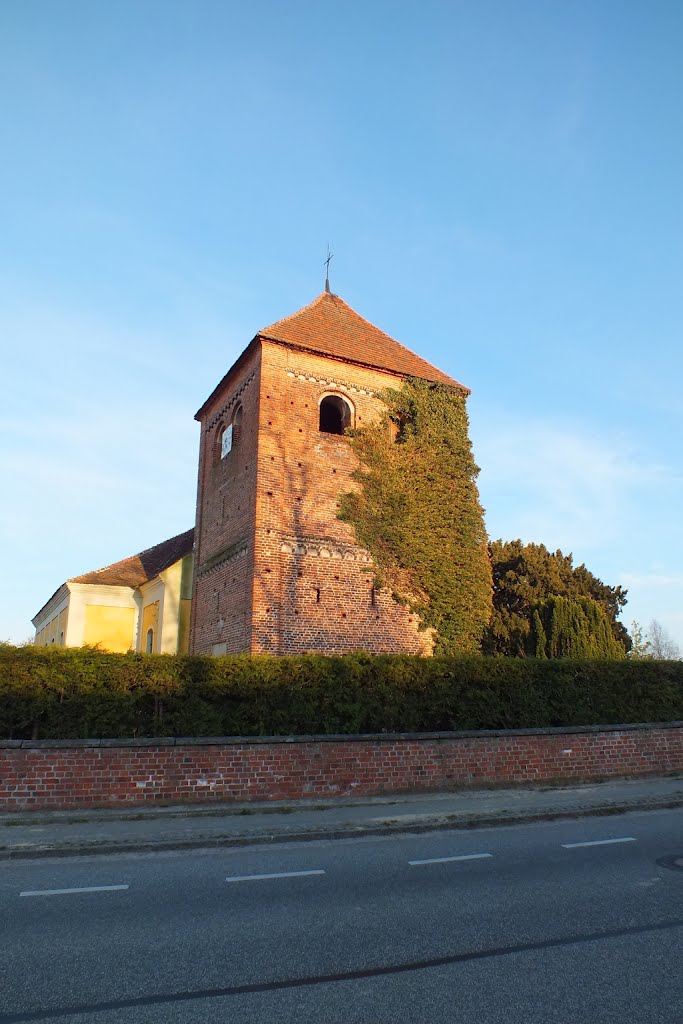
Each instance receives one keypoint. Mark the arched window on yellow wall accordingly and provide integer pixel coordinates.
(149, 641)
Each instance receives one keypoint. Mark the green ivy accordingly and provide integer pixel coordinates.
(417, 511)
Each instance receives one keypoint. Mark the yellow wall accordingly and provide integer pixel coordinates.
(170, 625)
(184, 626)
(117, 618)
(51, 625)
(110, 627)
(150, 620)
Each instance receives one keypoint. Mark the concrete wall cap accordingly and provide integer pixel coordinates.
(141, 741)
(58, 744)
(388, 737)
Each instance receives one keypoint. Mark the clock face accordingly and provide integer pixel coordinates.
(226, 441)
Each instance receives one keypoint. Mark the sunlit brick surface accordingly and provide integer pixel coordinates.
(276, 571)
(49, 775)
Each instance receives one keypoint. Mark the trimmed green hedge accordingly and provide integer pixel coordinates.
(58, 693)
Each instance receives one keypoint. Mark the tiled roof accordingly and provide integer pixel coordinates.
(329, 326)
(138, 569)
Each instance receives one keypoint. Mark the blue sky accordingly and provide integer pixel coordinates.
(500, 184)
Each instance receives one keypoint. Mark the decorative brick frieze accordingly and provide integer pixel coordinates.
(322, 548)
(225, 410)
(223, 557)
(329, 383)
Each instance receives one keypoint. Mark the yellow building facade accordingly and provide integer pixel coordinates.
(141, 603)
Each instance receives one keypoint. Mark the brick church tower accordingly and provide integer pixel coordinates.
(275, 569)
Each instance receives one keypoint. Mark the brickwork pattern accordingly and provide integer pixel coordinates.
(313, 587)
(110, 773)
(224, 531)
(276, 572)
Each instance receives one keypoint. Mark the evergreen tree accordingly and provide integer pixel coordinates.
(539, 637)
(526, 575)
(572, 627)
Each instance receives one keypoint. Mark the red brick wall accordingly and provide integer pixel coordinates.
(313, 585)
(226, 510)
(107, 773)
(275, 570)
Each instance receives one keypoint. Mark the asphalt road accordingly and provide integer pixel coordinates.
(525, 926)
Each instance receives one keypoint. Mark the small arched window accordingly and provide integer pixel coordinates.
(149, 641)
(229, 436)
(225, 441)
(335, 415)
(237, 424)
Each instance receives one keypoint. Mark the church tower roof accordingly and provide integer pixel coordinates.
(329, 326)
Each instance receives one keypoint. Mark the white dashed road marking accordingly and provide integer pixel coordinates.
(277, 874)
(447, 860)
(599, 842)
(68, 892)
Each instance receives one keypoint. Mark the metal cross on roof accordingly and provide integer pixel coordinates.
(327, 271)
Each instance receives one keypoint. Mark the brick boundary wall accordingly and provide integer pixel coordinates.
(70, 774)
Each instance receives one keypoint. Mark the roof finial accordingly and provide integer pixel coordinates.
(327, 272)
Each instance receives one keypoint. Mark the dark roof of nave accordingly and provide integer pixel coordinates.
(140, 568)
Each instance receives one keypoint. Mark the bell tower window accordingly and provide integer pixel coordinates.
(335, 415)
(230, 435)
(226, 441)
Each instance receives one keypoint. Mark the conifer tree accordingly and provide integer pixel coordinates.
(539, 637)
(572, 627)
(526, 575)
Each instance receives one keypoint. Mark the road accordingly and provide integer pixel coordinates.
(494, 926)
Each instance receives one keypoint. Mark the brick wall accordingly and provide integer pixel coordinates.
(224, 528)
(313, 585)
(108, 773)
(275, 570)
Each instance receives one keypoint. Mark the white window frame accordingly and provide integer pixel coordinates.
(226, 441)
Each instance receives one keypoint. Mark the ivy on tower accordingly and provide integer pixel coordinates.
(417, 511)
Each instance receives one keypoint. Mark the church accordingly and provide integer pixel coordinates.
(273, 570)
(141, 603)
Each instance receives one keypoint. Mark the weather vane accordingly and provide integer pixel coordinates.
(327, 265)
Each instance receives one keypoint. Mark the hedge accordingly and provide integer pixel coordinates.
(58, 693)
